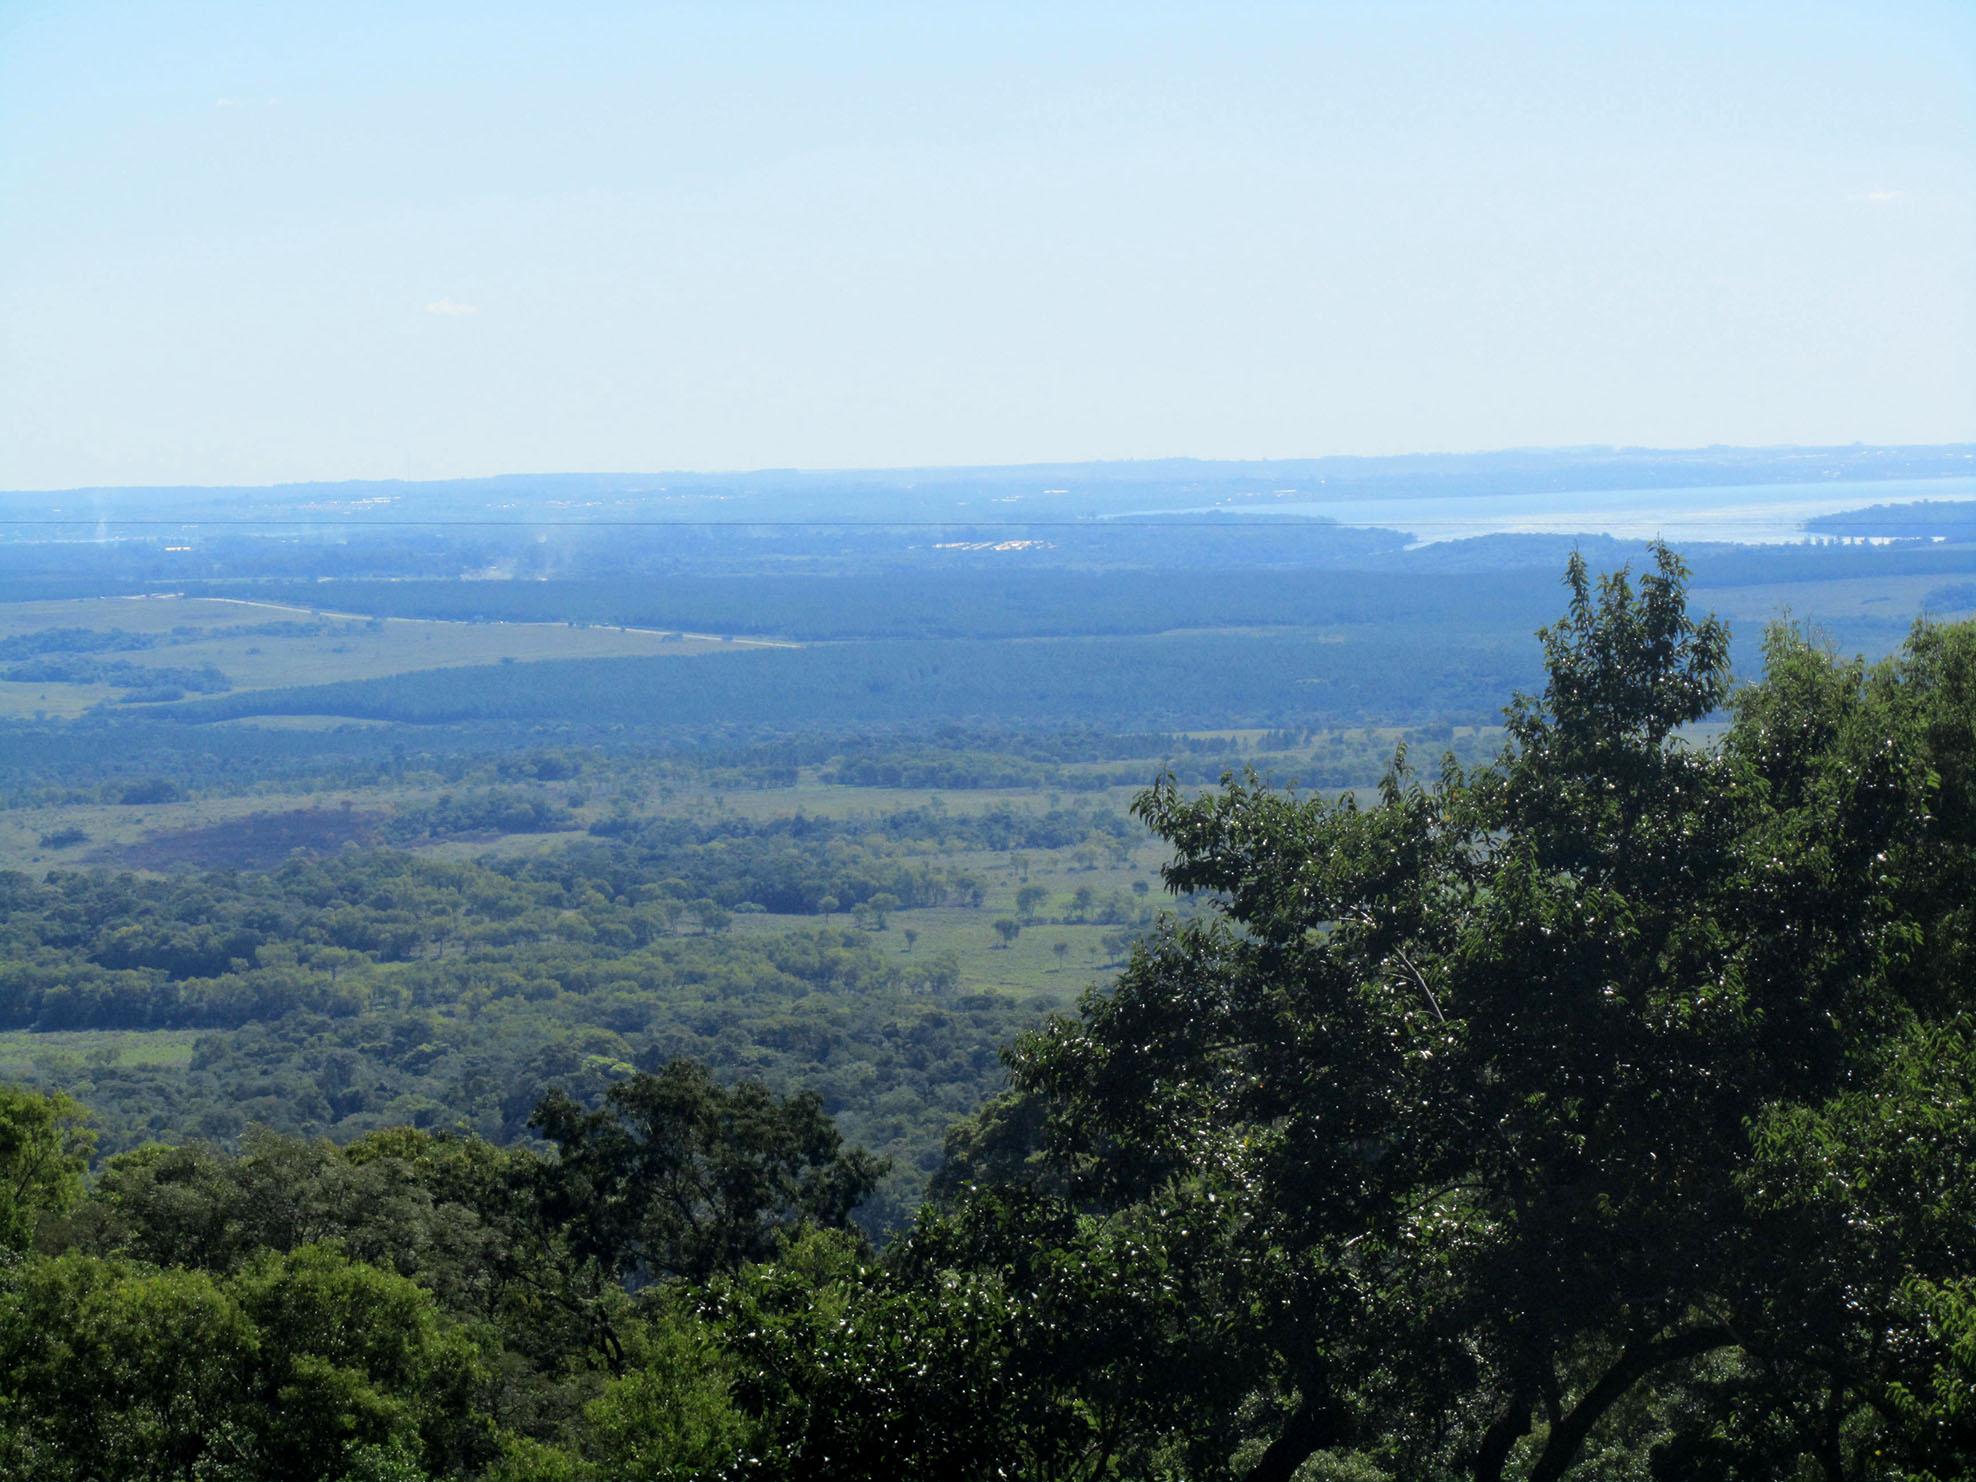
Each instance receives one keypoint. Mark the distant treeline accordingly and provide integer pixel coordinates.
(93, 757)
(1338, 760)
(123, 640)
(152, 681)
(101, 758)
(1953, 520)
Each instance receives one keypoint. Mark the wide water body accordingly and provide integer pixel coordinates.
(1755, 514)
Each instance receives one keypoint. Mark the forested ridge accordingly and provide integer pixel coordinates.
(1604, 1110)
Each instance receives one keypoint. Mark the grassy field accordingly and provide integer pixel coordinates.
(164, 1048)
(1031, 965)
(346, 647)
(108, 828)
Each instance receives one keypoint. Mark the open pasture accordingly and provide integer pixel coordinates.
(198, 833)
(260, 645)
(159, 1049)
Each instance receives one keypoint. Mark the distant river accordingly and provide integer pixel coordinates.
(1750, 514)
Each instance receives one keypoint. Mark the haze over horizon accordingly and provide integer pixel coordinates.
(825, 471)
(251, 246)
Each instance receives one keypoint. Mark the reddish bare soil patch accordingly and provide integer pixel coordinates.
(258, 841)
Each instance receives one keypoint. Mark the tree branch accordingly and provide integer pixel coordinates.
(1568, 1435)
(1316, 1424)
(1508, 1428)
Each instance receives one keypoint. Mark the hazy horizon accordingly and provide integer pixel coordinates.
(251, 245)
(1016, 465)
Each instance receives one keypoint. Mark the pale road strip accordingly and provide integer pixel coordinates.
(366, 617)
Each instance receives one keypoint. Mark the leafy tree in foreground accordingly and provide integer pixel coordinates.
(415, 1304)
(679, 1176)
(1610, 1087)
(114, 1369)
(43, 1149)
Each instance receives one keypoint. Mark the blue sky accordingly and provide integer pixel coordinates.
(249, 243)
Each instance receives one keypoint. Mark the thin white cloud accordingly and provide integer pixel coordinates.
(447, 308)
(1881, 197)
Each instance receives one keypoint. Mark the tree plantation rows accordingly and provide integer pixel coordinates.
(1601, 1108)
(1431, 673)
(1080, 601)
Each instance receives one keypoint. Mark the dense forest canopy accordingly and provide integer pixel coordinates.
(1605, 1108)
